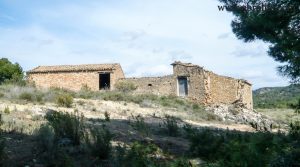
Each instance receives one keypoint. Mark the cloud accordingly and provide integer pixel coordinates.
(253, 50)
(224, 35)
(180, 55)
(132, 35)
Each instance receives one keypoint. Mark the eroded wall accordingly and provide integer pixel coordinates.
(156, 85)
(226, 90)
(195, 78)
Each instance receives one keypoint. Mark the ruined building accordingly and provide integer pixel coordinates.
(188, 81)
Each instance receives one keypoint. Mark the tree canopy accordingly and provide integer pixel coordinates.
(274, 21)
(10, 71)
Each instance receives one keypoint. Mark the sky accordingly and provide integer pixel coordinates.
(144, 36)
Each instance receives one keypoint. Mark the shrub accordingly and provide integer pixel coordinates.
(140, 125)
(66, 125)
(45, 137)
(144, 155)
(295, 130)
(98, 142)
(26, 96)
(125, 86)
(6, 110)
(141, 155)
(171, 124)
(64, 100)
(106, 115)
(85, 92)
(2, 94)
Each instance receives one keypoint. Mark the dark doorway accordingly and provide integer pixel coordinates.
(182, 86)
(104, 81)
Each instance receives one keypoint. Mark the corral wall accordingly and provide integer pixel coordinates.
(156, 85)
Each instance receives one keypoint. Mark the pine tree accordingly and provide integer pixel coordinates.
(273, 21)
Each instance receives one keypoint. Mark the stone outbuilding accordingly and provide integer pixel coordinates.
(187, 81)
(74, 77)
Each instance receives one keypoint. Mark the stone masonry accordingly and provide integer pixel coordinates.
(188, 81)
(74, 77)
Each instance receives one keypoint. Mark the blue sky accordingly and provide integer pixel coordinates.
(144, 36)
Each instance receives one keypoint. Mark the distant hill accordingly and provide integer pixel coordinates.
(276, 97)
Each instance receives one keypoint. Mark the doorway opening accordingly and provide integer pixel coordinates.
(182, 86)
(104, 81)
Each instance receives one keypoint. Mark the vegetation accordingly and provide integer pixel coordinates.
(233, 149)
(9, 72)
(171, 125)
(125, 86)
(64, 100)
(98, 142)
(276, 97)
(140, 125)
(2, 143)
(278, 24)
(145, 155)
(66, 126)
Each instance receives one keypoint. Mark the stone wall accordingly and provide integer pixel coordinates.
(73, 80)
(226, 90)
(195, 77)
(156, 85)
(68, 80)
(222, 89)
(116, 74)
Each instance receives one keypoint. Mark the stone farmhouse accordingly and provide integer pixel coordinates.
(187, 81)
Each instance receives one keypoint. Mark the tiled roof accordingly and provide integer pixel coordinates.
(73, 68)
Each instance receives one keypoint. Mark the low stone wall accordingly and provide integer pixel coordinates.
(156, 85)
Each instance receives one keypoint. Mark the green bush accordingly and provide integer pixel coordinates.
(10, 72)
(140, 125)
(66, 125)
(45, 137)
(125, 86)
(64, 100)
(146, 155)
(295, 130)
(107, 116)
(26, 96)
(235, 149)
(6, 110)
(98, 142)
(171, 125)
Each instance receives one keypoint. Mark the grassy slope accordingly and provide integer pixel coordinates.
(276, 97)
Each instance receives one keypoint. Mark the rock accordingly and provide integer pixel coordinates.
(237, 113)
(195, 162)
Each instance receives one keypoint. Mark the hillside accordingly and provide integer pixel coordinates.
(56, 127)
(276, 97)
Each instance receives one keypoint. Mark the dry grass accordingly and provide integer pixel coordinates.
(285, 116)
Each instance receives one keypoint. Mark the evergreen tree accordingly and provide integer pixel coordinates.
(274, 21)
(10, 71)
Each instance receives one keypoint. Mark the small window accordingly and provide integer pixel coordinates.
(149, 84)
